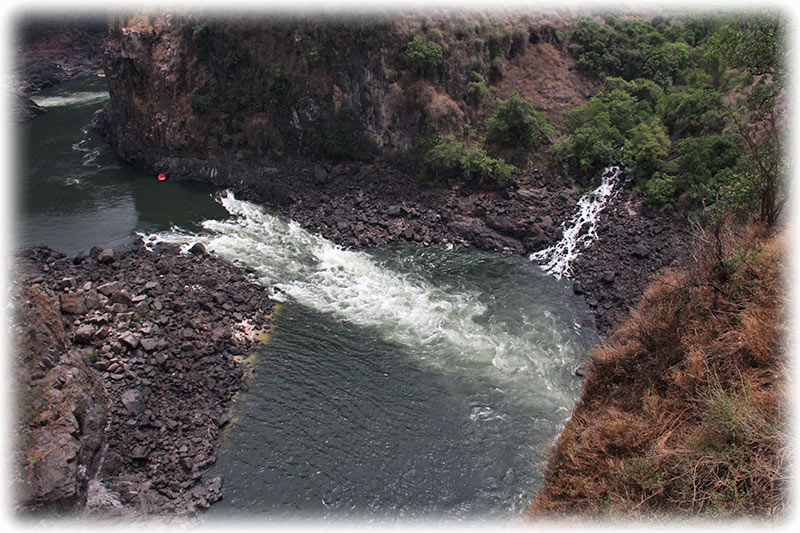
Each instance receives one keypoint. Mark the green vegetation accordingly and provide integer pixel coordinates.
(517, 125)
(441, 157)
(445, 160)
(664, 112)
(479, 167)
(422, 55)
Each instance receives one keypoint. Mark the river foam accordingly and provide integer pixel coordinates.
(72, 99)
(445, 328)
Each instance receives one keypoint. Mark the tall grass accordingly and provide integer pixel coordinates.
(684, 411)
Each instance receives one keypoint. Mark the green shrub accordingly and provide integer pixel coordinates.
(700, 158)
(661, 190)
(641, 89)
(277, 88)
(590, 147)
(496, 69)
(478, 167)
(623, 110)
(516, 124)
(477, 89)
(422, 54)
(646, 149)
(693, 112)
(441, 157)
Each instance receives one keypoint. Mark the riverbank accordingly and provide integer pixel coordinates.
(127, 366)
(363, 205)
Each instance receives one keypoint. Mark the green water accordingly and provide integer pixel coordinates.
(400, 382)
(72, 192)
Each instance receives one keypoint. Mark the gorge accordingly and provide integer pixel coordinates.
(342, 204)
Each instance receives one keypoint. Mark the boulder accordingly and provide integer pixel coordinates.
(109, 288)
(121, 297)
(130, 339)
(106, 256)
(640, 250)
(84, 334)
(133, 401)
(73, 303)
(198, 249)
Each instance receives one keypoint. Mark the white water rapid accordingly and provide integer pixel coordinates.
(79, 98)
(581, 230)
(447, 329)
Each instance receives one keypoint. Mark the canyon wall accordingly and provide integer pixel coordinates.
(266, 88)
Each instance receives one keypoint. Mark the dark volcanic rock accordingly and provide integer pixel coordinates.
(169, 372)
(61, 405)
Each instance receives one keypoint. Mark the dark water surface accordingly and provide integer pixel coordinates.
(72, 192)
(400, 382)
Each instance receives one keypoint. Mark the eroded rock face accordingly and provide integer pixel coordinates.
(60, 407)
(220, 90)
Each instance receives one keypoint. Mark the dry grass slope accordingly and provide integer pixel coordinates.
(684, 411)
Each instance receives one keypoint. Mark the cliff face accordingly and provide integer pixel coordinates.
(268, 88)
(60, 407)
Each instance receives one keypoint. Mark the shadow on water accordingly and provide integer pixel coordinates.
(71, 190)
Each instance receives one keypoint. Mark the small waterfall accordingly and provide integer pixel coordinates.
(581, 230)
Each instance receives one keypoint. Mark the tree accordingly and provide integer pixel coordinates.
(442, 157)
(422, 55)
(756, 46)
(646, 149)
(517, 124)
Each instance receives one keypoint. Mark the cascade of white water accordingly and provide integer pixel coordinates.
(447, 329)
(581, 230)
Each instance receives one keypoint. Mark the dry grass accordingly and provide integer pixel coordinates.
(684, 410)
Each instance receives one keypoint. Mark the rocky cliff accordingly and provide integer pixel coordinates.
(124, 377)
(267, 88)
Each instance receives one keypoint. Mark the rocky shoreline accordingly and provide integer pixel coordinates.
(128, 362)
(363, 205)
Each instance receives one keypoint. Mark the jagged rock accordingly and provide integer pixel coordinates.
(73, 303)
(640, 250)
(106, 256)
(197, 249)
(133, 401)
(84, 334)
(149, 344)
(130, 339)
(109, 288)
(92, 301)
(122, 297)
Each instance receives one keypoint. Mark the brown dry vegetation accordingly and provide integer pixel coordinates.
(684, 410)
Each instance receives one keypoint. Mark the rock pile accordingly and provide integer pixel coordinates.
(167, 335)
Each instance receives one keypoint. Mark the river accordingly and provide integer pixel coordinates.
(405, 381)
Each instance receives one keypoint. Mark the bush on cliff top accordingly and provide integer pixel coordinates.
(422, 55)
